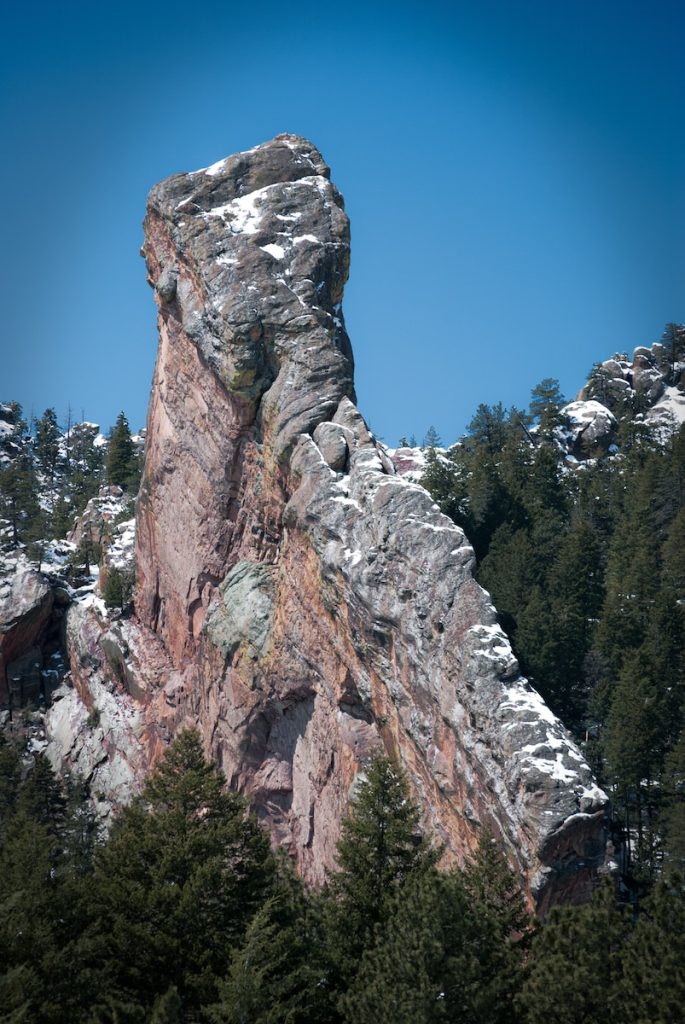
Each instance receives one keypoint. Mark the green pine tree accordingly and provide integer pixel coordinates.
(180, 878)
(47, 444)
(19, 497)
(121, 455)
(651, 986)
(379, 849)
(118, 588)
(439, 957)
(575, 963)
(277, 975)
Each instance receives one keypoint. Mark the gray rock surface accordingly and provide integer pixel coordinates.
(244, 613)
(26, 602)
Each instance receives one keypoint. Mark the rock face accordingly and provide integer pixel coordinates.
(26, 601)
(310, 605)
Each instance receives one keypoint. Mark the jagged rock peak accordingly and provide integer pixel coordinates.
(296, 599)
(253, 254)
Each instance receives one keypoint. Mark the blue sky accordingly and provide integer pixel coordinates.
(513, 172)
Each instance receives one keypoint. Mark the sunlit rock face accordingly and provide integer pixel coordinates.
(312, 606)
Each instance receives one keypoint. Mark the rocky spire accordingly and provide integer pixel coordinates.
(313, 605)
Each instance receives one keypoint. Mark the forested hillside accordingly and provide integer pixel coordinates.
(580, 539)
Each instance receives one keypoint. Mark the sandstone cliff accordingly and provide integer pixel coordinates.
(297, 598)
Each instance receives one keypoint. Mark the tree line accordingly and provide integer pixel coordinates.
(183, 913)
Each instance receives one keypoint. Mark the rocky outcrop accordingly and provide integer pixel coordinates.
(591, 427)
(110, 718)
(651, 384)
(26, 601)
(309, 605)
(99, 516)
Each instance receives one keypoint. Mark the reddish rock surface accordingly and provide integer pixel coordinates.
(296, 598)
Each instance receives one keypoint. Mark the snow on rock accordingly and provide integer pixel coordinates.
(411, 463)
(242, 214)
(277, 251)
(101, 743)
(99, 515)
(590, 422)
(669, 411)
(120, 552)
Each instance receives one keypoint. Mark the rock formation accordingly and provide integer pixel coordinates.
(26, 602)
(296, 598)
(651, 384)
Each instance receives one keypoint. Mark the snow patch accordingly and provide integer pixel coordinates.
(215, 168)
(518, 698)
(354, 557)
(671, 403)
(277, 251)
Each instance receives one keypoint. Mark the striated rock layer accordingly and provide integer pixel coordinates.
(309, 604)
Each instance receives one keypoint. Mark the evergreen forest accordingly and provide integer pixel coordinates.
(183, 913)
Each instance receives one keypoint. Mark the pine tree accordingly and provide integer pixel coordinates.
(42, 799)
(168, 1008)
(19, 497)
(545, 406)
(439, 957)
(509, 572)
(118, 588)
(492, 886)
(673, 339)
(489, 428)
(545, 396)
(10, 779)
(674, 554)
(432, 438)
(633, 746)
(44, 869)
(182, 874)
(86, 464)
(277, 975)
(121, 456)
(673, 816)
(575, 963)
(63, 516)
(651, 987)
(47, 444)
(599, 385)
(379, 849)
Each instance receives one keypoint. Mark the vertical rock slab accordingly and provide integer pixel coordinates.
(26, 601)
(314, 606)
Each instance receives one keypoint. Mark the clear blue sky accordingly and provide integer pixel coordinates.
(514, 173)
